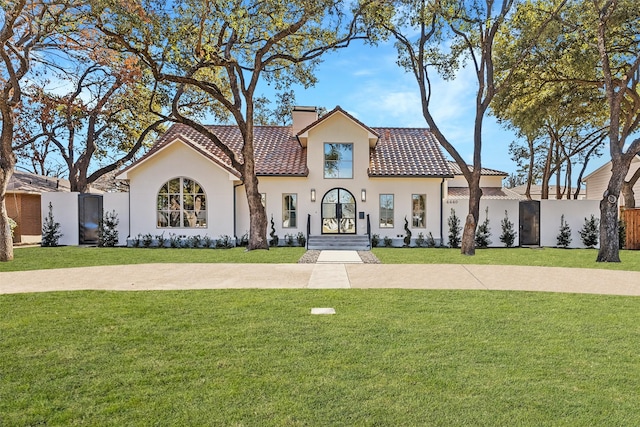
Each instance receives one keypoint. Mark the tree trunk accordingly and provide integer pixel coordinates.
(609, 237)
(7, 163)
(468, 244)
(629, 196)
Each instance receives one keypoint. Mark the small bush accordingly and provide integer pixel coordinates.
(431, 242)
(224, 242)
(174, 240)
(454, 229)
(50, 230)
(301, 239)
(483, 232)
(508, 236)
(420, 241)
(12, 226)
(108, 230)
(147, 240)
(207, 241)
(244, 240)
(388, 242)
(135, 242)
(407, 237)
(162, 241)
(564, 236)
(589, 232)
(275, 240)
(375, 240)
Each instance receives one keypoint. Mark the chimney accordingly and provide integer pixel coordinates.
(303, 117)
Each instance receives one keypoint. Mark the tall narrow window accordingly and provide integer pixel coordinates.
(418, 210)
(386, 211)
(338, 160)
(289, 214)
(181, 203)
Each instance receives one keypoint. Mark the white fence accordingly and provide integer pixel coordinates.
(65, 211)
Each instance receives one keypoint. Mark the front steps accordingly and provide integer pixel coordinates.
(344, 242)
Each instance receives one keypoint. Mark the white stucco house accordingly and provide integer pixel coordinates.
(332, 174)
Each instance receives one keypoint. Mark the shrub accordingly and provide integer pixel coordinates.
(483, 232)
(388, 242)
(244, 240)
(162, 241)
(224, 242)
(301, 239)
(275, 240)
(508, 236)
(50, 230)
(420, 241)
(195, 241)
(407, 237)
(431, 242)
(108, 230)
(135, 242)
(12, 226)
(375, 240)
(454, 229)
(147, 240)
(589, 232)
(174, 240)
(564, 236)
(288, 239)
(207, 241)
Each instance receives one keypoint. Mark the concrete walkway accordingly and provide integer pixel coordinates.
(335, 269)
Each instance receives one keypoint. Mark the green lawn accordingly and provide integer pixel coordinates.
(549, 257)
(258, 358)
(37, 258)
(34, 258)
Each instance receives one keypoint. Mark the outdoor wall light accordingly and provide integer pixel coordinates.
(363, 195)
(313, 194)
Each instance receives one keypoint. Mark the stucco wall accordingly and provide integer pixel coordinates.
(65, 211)
(118, 202)
(496, 213)
(174, 161)
(574, 211)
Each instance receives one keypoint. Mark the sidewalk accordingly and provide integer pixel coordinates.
(333, 271)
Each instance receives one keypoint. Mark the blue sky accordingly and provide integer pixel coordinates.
(367, 82)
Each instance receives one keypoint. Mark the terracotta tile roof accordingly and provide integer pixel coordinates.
(407, 152)
(485, 171)
(487, 193)
(277, 151)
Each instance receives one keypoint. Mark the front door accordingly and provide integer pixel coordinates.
(338, 212)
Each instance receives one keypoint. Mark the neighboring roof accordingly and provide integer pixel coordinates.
(607, 167)
(29, 183)
(487, 193)
(485, 171)
(537, 189)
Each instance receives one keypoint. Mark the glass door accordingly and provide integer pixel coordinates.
(338, 212)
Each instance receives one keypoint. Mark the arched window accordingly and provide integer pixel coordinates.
(182, 204)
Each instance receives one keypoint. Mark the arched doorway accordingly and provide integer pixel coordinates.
(338, 212)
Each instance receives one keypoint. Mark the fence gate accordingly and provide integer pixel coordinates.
(631, 218)
(89, 215)
(529, 223)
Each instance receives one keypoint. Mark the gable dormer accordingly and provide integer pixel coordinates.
(336, 115)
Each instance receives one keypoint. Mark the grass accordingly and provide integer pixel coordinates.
(388, 357)
(38, 258)
(548, 257)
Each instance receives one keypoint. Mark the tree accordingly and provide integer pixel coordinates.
(508, 235)
(564, 236)
(483, 232)
(438, 37)
(27, 27)
(589, 232)
(454, 229)
(221, 50)
(104, 117)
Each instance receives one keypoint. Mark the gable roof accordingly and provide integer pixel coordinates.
(399, 152)
(30, 183)
(455, 168)
(303, 134)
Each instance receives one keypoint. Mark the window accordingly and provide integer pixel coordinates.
(338, 160)
(289, 206)
(386, 211)
(418, 210)
(181, 204)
